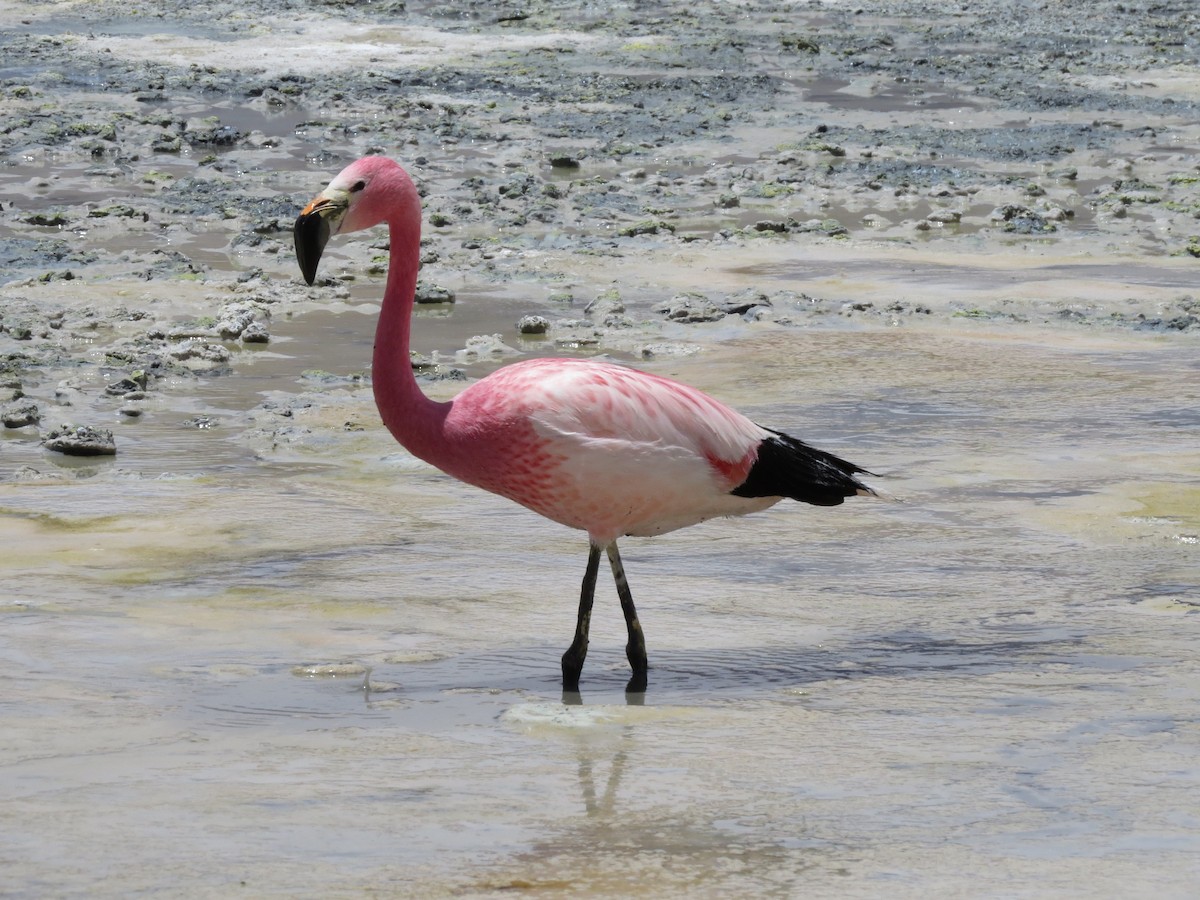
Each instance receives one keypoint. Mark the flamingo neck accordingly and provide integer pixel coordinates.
(408, 414)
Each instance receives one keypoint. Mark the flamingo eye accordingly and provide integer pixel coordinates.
(357, 186)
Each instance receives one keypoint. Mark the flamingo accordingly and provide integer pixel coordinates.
(593, 445)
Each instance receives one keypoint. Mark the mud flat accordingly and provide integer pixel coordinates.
(257, 647)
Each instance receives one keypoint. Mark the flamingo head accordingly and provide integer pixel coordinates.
(364, 194)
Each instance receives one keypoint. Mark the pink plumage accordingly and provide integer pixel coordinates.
(599, 447)
(593, 445)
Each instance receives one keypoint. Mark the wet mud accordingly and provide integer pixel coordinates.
(251, 645)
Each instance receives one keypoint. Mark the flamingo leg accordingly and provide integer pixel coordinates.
(635, 650)
(572, 660)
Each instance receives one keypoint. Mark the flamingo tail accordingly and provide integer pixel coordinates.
(788, 467)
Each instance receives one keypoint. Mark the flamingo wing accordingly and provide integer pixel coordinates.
(635, 415)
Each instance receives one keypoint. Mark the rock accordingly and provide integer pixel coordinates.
(533, 325)
(18, 415)
(690, 307)
(120, 210)
(647, 226)
(484, 346)
(29, 473)
(516, 186)
(81, 440)
(330, 379)
(209, 132)
(18, 331)
(201, 351)
(575, 334)
(800, 43)
(745, 300)
(184, 332)
(47, 220)
(654, 351)
(427, 370)
(945, 216)
(255, 333)
(830, 227)
(233, 321)
(135, 382)
(433, 293)
(607, 303)
(167, 143)
(773, 225)
(1022, 220)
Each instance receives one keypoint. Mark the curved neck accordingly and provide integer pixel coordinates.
(408, 414)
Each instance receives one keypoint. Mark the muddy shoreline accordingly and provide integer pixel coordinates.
(153, 162)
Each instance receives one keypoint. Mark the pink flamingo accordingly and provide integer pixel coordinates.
(593, 445)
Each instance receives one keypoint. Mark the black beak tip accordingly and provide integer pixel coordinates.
(310, 233)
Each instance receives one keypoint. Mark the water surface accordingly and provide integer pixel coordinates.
(995, 674)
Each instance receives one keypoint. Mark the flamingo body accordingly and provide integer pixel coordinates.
(599, 447)
(592, 445)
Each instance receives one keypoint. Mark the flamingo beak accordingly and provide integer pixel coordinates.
(314, 225)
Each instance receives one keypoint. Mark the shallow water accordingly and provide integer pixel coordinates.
(995, 674)
(275, 656)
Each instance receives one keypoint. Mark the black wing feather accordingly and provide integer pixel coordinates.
(788, 467)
